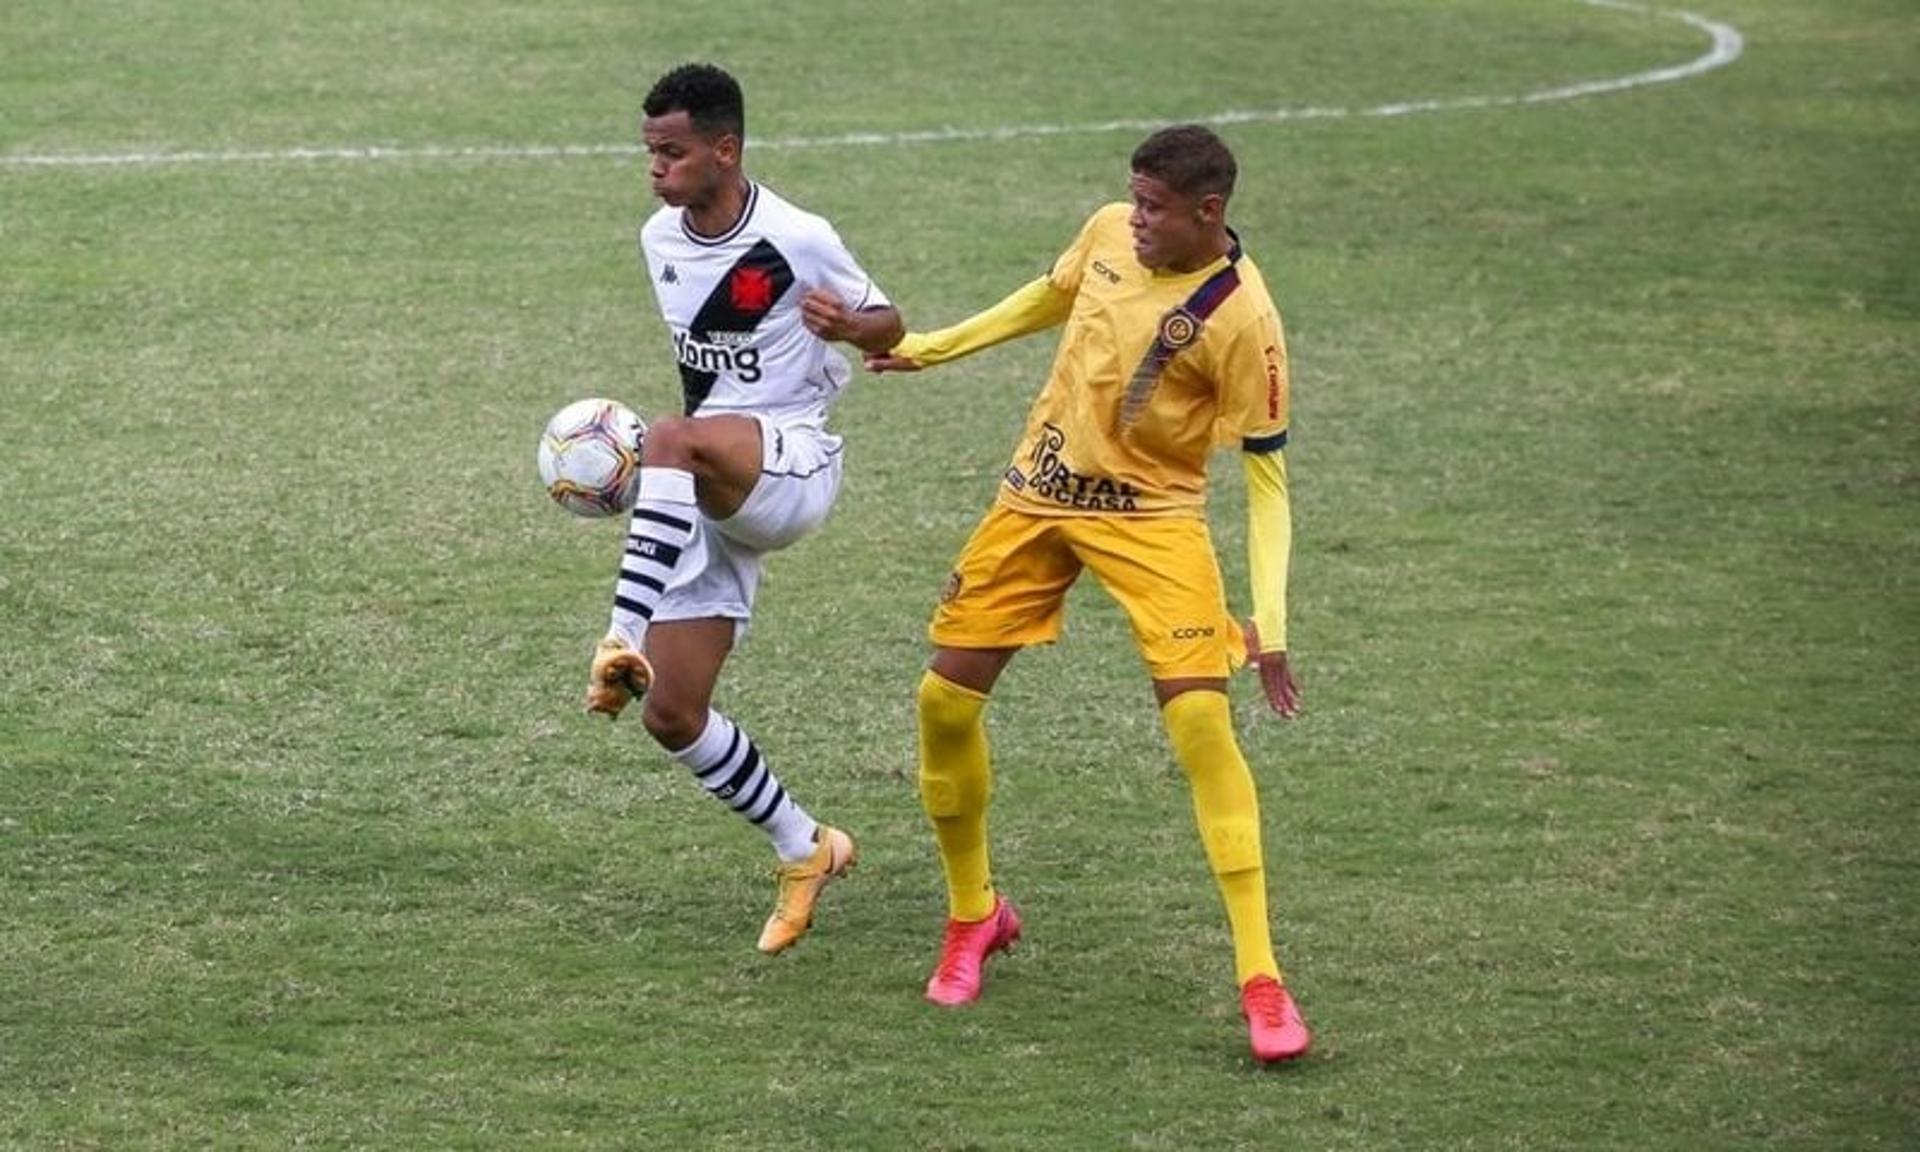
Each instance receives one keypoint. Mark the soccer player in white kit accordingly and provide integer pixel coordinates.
(752, 290)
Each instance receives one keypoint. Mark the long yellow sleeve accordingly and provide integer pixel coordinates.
(1035, 306)
(1269, 545)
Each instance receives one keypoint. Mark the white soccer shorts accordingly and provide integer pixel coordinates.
(719, 573)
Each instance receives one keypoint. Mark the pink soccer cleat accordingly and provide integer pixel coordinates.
(956, 979)
(1273, 1022)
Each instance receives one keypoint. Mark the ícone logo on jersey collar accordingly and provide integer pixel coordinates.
(1178, 329)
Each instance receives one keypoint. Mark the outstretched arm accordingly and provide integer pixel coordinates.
(1033, 307)
(1269, 552)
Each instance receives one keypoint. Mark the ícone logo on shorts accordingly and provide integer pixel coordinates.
(951, 588)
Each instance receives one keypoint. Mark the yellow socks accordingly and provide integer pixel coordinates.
(1228, 812)
(955, 783)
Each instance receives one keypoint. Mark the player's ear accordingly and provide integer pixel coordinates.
(1212, 208)
(726, 149)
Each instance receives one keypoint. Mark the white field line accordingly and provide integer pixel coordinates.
(1727, 47)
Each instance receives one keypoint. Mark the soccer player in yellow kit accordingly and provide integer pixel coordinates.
(1172, 348)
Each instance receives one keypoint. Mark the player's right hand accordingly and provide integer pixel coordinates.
(619, 673)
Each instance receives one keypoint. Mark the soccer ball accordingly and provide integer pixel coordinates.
(590, 457)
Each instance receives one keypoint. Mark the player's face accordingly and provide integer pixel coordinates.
(1171, 230)
(685, 168)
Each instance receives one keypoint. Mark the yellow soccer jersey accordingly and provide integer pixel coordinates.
(1155, 370)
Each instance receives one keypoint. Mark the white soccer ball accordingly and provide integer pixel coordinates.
(590, 457)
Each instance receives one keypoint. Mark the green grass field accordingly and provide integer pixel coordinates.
(1599, 830)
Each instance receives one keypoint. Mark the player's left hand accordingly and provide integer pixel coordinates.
(826, 315)
(1276, 675)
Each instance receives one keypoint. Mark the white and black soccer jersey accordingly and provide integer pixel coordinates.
(732, 306)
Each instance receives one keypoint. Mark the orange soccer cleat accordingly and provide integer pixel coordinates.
(800, 885)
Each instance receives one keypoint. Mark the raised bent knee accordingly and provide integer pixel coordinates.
(672, 442)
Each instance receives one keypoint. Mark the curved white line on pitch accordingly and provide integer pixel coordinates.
(1727, 47)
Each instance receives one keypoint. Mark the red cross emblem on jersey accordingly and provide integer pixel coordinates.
(751, 289)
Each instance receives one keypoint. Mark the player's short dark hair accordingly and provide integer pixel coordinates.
(1188, 158)
(706, 93)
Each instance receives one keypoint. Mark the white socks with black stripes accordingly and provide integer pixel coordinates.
(728, 764)
(663, 526)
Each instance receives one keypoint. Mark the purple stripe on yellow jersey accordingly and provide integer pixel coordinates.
(1155, 371)
(1178, 328)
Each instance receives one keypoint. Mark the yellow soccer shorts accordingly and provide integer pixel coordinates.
(1008, 588)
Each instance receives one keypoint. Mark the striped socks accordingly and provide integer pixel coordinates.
(728, 764)
(663, 527)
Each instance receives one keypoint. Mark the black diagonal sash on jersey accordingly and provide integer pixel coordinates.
(1179, 328)
(739, 302)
